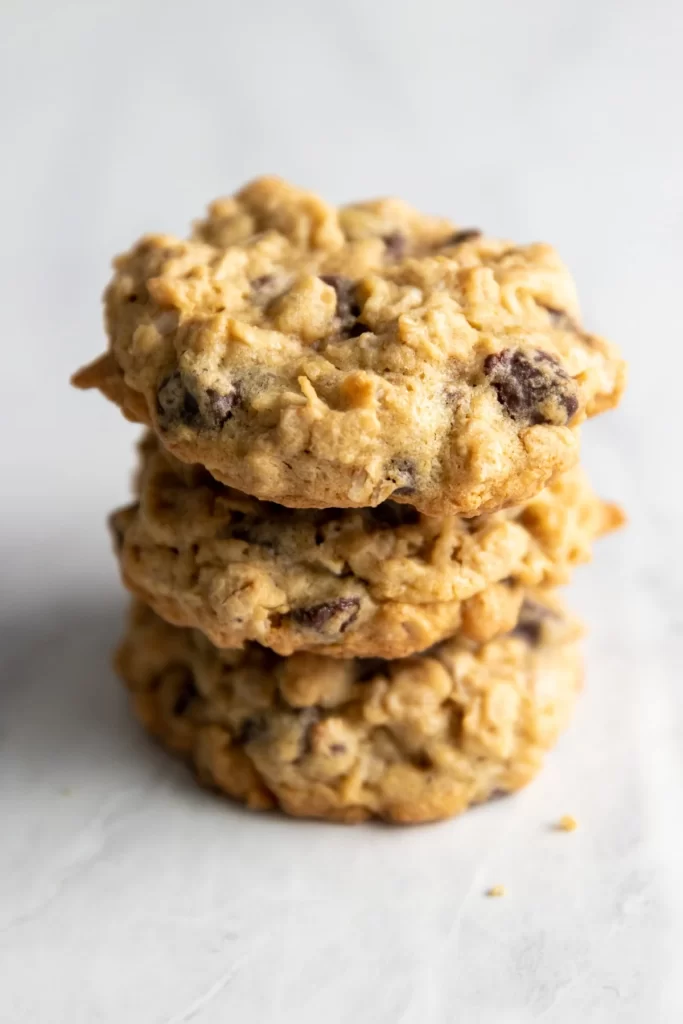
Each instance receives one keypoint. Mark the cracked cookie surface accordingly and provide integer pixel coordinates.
(384, 581)
(411, 740)
(338, 357)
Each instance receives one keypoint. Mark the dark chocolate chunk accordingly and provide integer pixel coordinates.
(175, 404)
(529, 630)
(348, 307)
(187, 692)
(219, 408)
(251, 729)
(531, 386)
(404, 472)
(330, 616)
(396, 244)
(338, 748)
(532, 615)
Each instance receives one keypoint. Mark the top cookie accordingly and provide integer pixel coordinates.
(321, 357)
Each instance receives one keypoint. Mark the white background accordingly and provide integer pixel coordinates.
(127, 896)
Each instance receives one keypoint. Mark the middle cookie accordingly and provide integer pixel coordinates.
(382, 582)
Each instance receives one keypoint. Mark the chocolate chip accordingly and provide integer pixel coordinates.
(396, 244)
(330, 616)
(338, 748)
(529, 631)
(345, 287)
(391, 514)
(466, 235)
(175, 403)
(532, 615)
(190, 408)
(251, 729)
(187, 692)
(219, 408)
(348, 307)
(532, 386)
(404, 472)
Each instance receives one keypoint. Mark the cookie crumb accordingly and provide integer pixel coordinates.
(567, 823)
(496, 890)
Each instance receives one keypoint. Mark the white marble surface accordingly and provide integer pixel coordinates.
(125, 894)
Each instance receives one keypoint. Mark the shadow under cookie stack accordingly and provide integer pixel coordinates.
(356, 496)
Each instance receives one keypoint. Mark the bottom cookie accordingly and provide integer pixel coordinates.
(412, 740)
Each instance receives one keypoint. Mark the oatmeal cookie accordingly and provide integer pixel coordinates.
(384, 581)
(321, 357)
(412, 740)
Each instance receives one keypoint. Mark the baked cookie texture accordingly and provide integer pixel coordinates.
(384, 581)
(411, 740)
(338, 357)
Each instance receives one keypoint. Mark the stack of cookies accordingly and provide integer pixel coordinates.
(356, 495)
